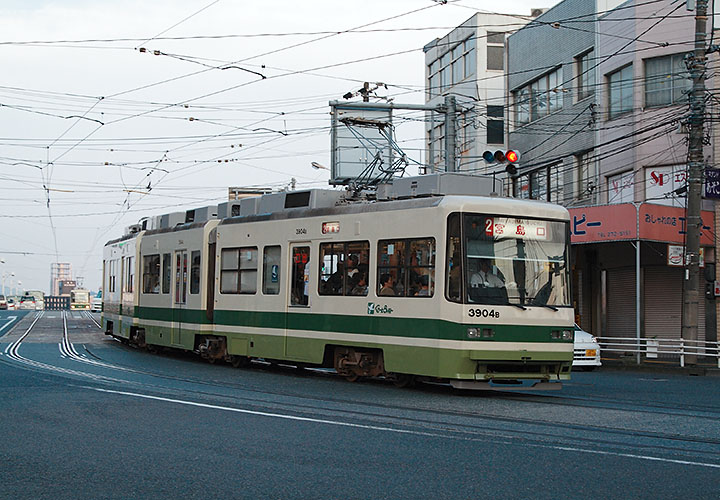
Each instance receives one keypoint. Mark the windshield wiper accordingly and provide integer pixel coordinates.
(518, 305)
(548, 306)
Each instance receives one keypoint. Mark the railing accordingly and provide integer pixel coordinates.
(655, 349)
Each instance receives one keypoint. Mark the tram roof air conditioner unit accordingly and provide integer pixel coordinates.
(172, 220)
(201, 214)
(133, 229)
(443, 184)
(238, 208)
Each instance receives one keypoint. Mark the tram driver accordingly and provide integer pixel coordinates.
(485, 277)
(486, 286)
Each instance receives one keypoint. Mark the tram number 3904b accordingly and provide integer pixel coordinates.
(483, 313)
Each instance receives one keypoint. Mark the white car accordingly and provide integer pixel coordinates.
(586, 352)
(96, 304)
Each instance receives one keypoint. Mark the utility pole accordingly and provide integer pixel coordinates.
(450, 126)
(696, 66)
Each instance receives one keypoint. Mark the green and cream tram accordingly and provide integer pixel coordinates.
(469, 290)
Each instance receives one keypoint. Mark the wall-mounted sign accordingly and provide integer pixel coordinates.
(675, 256)
(712, 183)
(621, 221)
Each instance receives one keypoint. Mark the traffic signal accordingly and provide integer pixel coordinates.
(510, 156)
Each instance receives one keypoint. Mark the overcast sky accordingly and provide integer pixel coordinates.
(95, 133)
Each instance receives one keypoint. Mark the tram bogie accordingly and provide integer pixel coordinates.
(454, 288)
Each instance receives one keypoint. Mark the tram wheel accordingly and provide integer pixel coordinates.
(403, 380)
(240, 361)
(152, 349)
(352, 377)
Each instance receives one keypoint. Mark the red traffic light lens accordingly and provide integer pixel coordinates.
(511, 156)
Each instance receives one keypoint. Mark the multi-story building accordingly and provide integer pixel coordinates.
(594, 96)
(598, 102)
(469, 65)
(59, 271)
(551, 83)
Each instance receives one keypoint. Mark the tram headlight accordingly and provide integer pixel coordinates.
(473, 333)
(562, 334)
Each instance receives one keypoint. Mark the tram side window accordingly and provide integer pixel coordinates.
(166, 272)
(271, 270)
(238, 270)
(453, 272)
(129, 274)
(344, 268)
(111, 275)
(195, 272)
(406, 268)
(151, 274)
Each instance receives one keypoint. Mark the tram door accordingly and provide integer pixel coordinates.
(299, 297)
(299, 276)
(180, 295)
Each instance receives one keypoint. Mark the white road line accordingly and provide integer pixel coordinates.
(397, 431)
(11, 320)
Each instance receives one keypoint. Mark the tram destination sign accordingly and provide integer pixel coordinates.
(521, 229)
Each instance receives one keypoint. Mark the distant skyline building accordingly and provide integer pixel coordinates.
(59, 271)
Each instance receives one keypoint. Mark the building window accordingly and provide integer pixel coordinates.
(238, 270)
(585, 75)
(445, 74)
(457, 64)
(451, 68)
(666, 80)
(620, 91)
(469, 57)
(495, 51)
(555, 187)
(195, 272)
(495, 125)
(271, 270)
(620, 188)
(584, 167)
(522, 105)
(542, 184)
(151, 274)
(539, 98)
(406, 268)
(434, 79)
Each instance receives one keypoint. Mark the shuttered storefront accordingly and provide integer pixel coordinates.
(663, 290)
(621, 302)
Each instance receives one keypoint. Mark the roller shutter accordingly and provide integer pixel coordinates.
(663, 289)
(621, 302)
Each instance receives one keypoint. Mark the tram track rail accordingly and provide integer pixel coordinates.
(313, 402)
(472, 424)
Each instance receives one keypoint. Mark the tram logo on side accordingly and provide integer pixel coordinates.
(379, 309)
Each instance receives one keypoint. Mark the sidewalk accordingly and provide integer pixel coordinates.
(705, 366)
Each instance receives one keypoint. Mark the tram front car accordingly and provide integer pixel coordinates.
(511, 276)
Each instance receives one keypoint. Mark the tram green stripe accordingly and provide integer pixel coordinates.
(338, 323)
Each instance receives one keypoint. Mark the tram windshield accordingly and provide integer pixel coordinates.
(507, 260)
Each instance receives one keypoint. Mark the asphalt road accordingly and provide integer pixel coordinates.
(83, 416)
